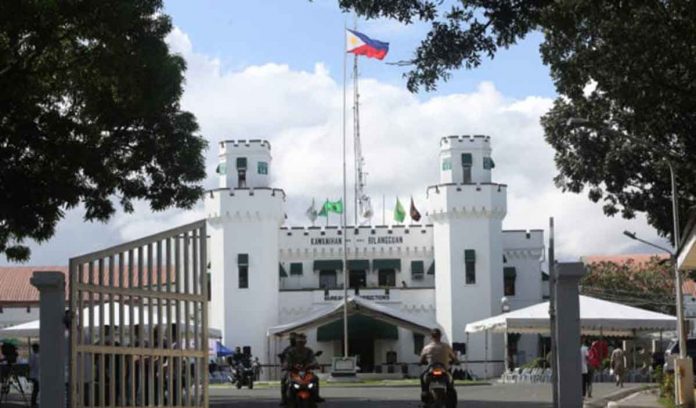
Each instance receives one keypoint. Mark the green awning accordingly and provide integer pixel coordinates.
(296, 268)
(469, 255)
(358, 265)
(359, 327)
(431, 270)
(467, 160)
(386, 264)
(281, 271)
(509, 272)
(417, 267)
(328, 264)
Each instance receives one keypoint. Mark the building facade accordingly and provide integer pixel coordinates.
(448, 271)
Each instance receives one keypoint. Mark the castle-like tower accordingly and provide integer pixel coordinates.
(467, 210)
(244, 216)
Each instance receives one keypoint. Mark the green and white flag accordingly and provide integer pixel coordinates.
(312, 212)
(331, 206)
(399, 212)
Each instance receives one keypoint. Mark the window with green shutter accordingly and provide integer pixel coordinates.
(488, 163)
(467, 159)
(296, 268)
(446, 164)
(241, 163)
(470, 266)
(262, 167)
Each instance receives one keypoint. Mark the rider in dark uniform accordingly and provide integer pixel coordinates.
(303, 356)
(284, 379)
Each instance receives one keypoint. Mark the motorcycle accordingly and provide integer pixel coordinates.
(439, 383)
(302, 384)
(244, 376)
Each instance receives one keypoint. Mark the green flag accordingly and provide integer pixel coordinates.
(331, 206)
(399, 212)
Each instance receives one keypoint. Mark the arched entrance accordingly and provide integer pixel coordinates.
(363, 331)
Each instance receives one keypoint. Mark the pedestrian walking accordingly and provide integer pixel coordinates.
(618, 366)
(34, 373)
(584, 352)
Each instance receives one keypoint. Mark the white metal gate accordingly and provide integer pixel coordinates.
(139, 332)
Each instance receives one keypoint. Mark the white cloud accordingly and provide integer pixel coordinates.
(299, 112)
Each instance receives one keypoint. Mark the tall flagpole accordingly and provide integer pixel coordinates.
(345, 204)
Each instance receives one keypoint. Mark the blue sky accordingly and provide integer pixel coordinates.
(301, 33)
(272, 69)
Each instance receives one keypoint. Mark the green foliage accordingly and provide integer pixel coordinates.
(538, 362)
(667, 389)
(639, 54)
(89, 113)
(648, 285)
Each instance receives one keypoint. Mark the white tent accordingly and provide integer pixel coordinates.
(356, 305)
(597, 317)
(31, 329)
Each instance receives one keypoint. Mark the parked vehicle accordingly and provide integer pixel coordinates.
(672, 352)
(440, 389)
(302, 388)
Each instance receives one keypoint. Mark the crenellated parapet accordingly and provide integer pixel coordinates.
(479, 200)
(245, 204)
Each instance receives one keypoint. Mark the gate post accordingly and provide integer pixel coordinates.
(568, 276)
(51, 286)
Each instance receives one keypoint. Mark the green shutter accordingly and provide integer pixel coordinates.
(417, 269)
(544, 276)
(328, 264)
(447, 163)
(509, 272)
(281, 271)
(296, 268)
(467, 159)
(488, 163)
(386, 264)
(221, 168)
(358, 265)
(431, 270)
(243, 259)
(469, 255)
(241, 163)
(262, 167)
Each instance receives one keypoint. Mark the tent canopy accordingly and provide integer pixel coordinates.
(596, 317)
(31, 329)
(356, 305)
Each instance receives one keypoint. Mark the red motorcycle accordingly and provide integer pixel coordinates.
(302, 386)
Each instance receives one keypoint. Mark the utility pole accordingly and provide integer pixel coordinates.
(552, 314)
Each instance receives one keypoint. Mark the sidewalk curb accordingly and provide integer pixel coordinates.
(618, 395)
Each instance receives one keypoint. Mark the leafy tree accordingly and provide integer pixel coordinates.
(639, 58)
(648, 285)
(89, 113)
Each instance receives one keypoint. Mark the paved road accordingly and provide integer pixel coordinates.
(502, 395)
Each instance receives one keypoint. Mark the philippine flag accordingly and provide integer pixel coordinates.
(360, 44)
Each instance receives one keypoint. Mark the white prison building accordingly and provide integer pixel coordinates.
(447, 272)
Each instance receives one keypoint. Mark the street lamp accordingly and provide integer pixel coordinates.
(667, 156)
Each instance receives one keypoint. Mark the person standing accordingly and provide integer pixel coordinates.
(34, 373)
(584, 352)
(618, 365)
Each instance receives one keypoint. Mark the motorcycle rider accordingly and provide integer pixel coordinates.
(284, 379)
(304, 357)
(437, 352)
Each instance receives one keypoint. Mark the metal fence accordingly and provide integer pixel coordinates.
(139, 332)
